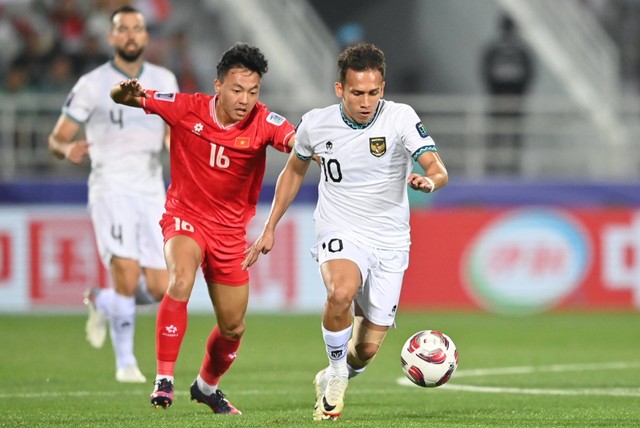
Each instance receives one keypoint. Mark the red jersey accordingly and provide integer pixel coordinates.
(216, 173)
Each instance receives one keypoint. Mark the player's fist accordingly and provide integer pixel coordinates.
(76, 151)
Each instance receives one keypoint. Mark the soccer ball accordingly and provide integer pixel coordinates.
(429, 358)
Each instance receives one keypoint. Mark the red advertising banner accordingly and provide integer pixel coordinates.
(524, 260)
(64, 260)
(5, 258)
(520, 260)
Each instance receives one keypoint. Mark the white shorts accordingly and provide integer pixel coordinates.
(382, 273)
(129, 226)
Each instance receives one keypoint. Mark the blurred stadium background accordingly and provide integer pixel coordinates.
(549, 222)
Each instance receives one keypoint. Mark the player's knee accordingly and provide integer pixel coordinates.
(340, 298)
(124, 273)
(180, 286)
(232, 330)
(360, 355)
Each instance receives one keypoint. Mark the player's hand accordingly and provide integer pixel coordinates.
(76, 151)
(422, 183)
(263, 245)
(134, 88)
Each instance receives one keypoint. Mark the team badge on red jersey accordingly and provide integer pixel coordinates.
(242, 142)
(378, 146)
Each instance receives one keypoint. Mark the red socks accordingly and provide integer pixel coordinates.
(171, 326)
(220, 354)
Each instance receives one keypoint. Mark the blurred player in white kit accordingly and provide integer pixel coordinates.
(126, 186)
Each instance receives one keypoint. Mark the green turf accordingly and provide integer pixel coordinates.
(51, 377)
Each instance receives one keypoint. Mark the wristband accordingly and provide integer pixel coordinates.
(433, 185)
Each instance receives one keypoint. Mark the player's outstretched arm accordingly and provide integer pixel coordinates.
(435, 177)
(287, 187)
(129, 92)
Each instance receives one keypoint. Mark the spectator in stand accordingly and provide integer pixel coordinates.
(9, 40)
(68, 22)
(507, 71)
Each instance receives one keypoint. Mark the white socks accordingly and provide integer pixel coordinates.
(122, 315)
(336, 343)
(205, 387)
(103, 299)
(354, 372)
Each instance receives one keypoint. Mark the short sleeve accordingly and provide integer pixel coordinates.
(81, 101)
(168, 105)
(302, 146)
(282, 130)
(414, 134)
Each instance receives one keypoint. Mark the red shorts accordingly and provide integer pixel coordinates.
(222, 254)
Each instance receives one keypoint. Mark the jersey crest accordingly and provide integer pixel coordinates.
(275, 119)
(378, 146)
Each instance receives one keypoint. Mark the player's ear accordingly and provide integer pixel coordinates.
(339, 89)
(216, 86)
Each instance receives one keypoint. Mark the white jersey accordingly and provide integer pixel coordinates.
(363, 184)
(124, 142)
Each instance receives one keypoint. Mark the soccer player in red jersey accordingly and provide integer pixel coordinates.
(218, 157)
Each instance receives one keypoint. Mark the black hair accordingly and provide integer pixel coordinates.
(242, 55)
(360, 57)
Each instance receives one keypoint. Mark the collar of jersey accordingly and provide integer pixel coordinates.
(353, 125)
(119, 70)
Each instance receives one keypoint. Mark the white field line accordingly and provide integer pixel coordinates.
(556, 368)
(616, 392)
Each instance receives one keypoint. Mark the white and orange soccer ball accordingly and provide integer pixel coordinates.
(429, 358)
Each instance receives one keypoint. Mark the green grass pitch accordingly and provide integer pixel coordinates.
(550, 370)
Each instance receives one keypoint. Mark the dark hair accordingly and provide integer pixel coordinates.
(242, 55)
(123, 9)
(360, 57)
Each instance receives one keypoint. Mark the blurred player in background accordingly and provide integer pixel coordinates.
(126, 186)
(366, 147)
(218, 158)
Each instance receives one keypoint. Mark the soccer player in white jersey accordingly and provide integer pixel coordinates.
(366, 147)
(126, 186)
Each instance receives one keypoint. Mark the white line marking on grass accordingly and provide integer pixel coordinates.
(614, 392)
(557, 368)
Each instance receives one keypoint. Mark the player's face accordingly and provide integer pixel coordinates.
(128, 36)
(360, 94)
(238, 93)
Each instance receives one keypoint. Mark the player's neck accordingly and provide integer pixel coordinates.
(131, 69)
(221, 117)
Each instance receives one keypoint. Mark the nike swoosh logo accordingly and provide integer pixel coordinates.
(327, 406)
